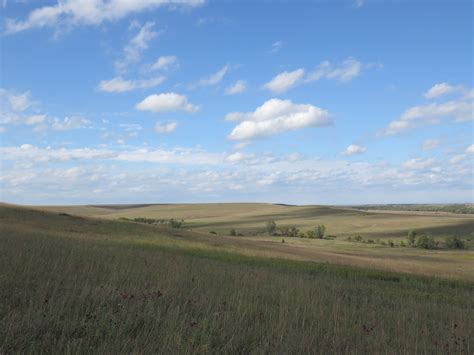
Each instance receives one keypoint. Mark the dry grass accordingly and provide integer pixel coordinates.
(80, 285)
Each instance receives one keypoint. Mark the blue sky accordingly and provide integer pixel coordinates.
(305, 102)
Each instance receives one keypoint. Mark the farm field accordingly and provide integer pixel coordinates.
(73, 284)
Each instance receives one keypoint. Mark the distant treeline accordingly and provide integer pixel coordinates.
(174, 223)
(452, 208)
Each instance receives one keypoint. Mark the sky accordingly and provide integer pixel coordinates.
(299, 102)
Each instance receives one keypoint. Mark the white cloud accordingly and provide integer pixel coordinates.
(276, 116)
(440, 90)
(164, 63)
(213, 79)
(71, 13)
(431, 144)
(118, 84)
(470, 149)
(19, 102)
(169, 127)
(166, 102)
(276, 46)
(344, 72)
(419, 163)
(284, 81)
(34, 119)
(457, 158)
(458, 110)
(238, 87)
(133, 50)
(359, 3)
(354, 149)
(237, 157)
(69, 123)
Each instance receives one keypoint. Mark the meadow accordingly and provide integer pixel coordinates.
(81, 284)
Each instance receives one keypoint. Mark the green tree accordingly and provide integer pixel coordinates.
(320, 231)
(233, 232)
(454, 242)
(270, 227)
(311, 234)
(426, 242)
(411, 238)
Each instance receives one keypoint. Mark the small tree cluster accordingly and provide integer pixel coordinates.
(270, 227)
(425, 242)
(454, 242)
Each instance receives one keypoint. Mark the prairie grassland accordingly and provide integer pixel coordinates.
(81, 285)
(249, 219)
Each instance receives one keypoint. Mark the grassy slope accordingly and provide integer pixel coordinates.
(250, 218)
(79, 285)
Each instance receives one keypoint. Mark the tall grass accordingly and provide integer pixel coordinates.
(91, 294)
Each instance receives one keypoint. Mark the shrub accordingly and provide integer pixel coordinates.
(270, 227)
(411, 238)
(311, 234)
(320, 231)
(390, 242)
(425, 242)
(402, 244)
(370, 241)
(174, 223)
(358, 238)
(212, 232)
(349, 239)
(454, 242)
(233, 232)
(293, 232)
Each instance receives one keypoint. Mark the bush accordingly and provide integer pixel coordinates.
(270, 227)
(411, 238)
(370, 241)
(425, 242)
(349, 239)
(454, 242)
(174, 223)
(233, 232)
(320, 231)
(311, 234)
(212, 232)
(402, 244)
(293, 232)
(390, 242)
(358, 238)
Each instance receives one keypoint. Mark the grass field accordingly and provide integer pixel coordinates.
(81, 284)
(249, 220)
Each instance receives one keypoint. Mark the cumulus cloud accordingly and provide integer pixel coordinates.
(431, 144)
(73, 13)
(165, 63)
(212, 79)
(133, 50)
(354, 149)
(470, 149)
(344, 72)
(458, 110)
(440, 90)
(69, 123)
(276, 116)
(166, 102)
(237, 88)
(169, 127)
(118, 84)
(284, 81)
